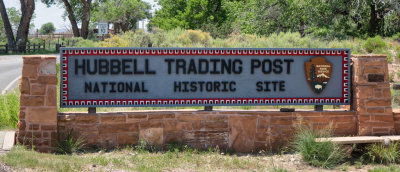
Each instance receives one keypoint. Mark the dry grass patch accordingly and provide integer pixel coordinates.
(129, 159)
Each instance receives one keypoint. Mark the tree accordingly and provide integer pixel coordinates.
(47, 28)
(27, 9)
(124, 14)
(77, 11)
(7, 25)
(189, 14)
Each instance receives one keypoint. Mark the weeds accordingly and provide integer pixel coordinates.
(379, 153)
(320, 154)
(385, 169)
(9, 108)
(145, 146)
(67, 143)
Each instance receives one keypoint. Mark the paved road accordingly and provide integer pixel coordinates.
(10, 71)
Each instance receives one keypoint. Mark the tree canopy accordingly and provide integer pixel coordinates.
(47, 28)
(330, 19)
(123, 14)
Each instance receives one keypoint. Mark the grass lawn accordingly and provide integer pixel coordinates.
(128, 159)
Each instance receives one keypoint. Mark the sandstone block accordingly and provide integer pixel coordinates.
(42, 115)
(118, 128)
(127, 139)
(242, 132)
(376, 110)
(152, 135)
(137, 117)
(163, 115)
(48, 127)
(113, 118)
(21, 125)
(31, 100)
(47, 79)
(29, 70)
(24, 85)
(151, 124)
(381, 102)
(38, 89)
(86, 119)
(175, 126)
(34, 126)
(51, 97)
(48, 67)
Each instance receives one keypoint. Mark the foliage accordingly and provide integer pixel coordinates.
(320, 154)
(68, 143)
(382, 154)
(128, 159)
(47, 28)
(385, 169)
(124, 14)
(194, 37)
(375, 44)
(340, 19)
(9, 108)
(145, 146)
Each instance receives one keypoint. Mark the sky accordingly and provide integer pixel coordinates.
(54, 13)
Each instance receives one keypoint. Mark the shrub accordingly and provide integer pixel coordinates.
(195, 38)
(67, 143)
(320, 154)
(114, 41)
(9, 108)
(375, 44)
(379, 153)
(85, 43)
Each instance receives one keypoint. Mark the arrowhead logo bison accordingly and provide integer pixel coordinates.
(318, 72)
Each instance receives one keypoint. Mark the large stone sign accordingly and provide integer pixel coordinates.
(96, 77)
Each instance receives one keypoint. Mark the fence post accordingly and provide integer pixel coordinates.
(6, 48)
(34, 47)
(44, 44)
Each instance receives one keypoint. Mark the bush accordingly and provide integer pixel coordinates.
(379, 153)
(375, 44)
(9, 108)
(195, 38)
(67, 143)
(84, 43)
(320, 154)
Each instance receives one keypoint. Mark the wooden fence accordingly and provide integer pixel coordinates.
(35, 47)
(28, 48)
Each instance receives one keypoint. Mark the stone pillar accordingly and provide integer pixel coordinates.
(371, 95)
(37, 125)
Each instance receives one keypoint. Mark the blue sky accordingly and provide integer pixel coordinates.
(53, 14)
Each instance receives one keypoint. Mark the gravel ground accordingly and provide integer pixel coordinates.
(5, 168)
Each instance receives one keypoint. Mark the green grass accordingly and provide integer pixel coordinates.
(9, 109)
(382, 154)
(319, 154)
(130, 159)
(385, 169)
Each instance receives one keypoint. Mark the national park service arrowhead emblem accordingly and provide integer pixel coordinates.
(318, 72)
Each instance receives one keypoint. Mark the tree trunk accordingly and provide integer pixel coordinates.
(7, 25)
(373, 21)
(72, 18)
(85, 18)
(27, 9)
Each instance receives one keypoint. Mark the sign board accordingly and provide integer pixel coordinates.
(103, 28)
(98, 77)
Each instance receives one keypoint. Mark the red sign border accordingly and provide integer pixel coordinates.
(65, 52)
